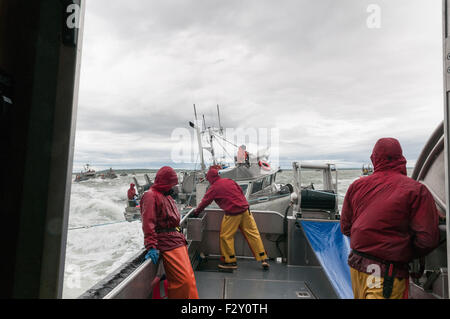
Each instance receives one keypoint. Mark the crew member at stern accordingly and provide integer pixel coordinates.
(161, 227)
(391, 219)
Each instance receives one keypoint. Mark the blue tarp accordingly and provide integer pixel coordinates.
(332, 249)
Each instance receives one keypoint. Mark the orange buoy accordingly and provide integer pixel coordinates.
(264, 165)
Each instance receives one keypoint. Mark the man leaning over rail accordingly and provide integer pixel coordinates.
(160, 224)
(230, 198)
(391, 219)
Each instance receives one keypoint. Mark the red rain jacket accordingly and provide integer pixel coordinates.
(225, 192)
(159, 211)
(131, 192)
(389, 215)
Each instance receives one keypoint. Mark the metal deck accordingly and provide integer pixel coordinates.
(249, 281)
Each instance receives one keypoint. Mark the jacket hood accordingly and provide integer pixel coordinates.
(213, 175)
(387, 155)
(131, 185)
(165, 179)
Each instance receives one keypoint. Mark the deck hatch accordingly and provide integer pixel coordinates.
(266, 289)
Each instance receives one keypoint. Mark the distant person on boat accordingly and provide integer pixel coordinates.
(132, 194)
(230, 198)
(242, 155)
(391, 219)
(161, 227)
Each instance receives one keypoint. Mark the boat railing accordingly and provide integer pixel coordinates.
(183, 220)
(329, 185)
(138, 285)
(280, 232)
(132, 280)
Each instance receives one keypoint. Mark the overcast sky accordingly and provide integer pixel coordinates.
(312, 69)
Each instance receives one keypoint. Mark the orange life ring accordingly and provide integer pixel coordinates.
(264, 165)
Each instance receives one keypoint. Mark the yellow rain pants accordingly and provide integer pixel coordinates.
(366, 288)
(246, 223)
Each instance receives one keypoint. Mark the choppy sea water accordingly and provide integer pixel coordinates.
(94, 252)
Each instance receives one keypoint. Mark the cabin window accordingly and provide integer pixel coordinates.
(267, 181)
(244, 188)
(257, 186)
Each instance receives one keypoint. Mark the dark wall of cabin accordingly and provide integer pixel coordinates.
(37, 77)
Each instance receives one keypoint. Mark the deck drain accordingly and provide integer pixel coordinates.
(302, 294)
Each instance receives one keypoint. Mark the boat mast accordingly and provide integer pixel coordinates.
(220, 124)
(211, 146)
(199, 140)
(211, 131)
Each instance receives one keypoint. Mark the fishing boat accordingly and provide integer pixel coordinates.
(304, 243)
(110, 174)
(367, 169)
(85, 174)
(253, 173)
(301, 266)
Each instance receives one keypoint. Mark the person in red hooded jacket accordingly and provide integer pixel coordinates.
(131, 194)
(160, 224)
(230, 198)
(391, 219)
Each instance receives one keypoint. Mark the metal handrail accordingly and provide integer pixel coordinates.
(185, 217)
(122, 285)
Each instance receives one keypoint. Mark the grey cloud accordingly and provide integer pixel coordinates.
(311, 68)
